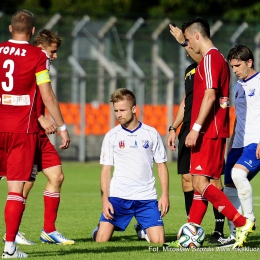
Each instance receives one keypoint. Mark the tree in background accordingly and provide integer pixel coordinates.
(9, 6)
(46, 5)
(232, 10)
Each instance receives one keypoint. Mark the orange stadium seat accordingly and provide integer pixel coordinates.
(74, 109)
(101, 119)
(156, 110)
(148, 110)
(97, 118)
(90, 119)
(105, 109)
(161, 129)
(232, 117)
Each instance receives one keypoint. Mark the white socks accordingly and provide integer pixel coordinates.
(9, 247)
(244, 191)
(231, 193)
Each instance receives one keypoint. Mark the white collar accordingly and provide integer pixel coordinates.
(18, 42)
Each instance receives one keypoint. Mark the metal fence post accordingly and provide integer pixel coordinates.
(132, 66)
(82, 75)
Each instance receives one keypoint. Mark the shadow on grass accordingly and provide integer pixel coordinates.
(169, 238)
(115, 238)
(251, 241)
(105, 248)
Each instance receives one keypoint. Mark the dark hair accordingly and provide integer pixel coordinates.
(47, 37)
(22, 22)
(241, 52)
(122, 94)
(199, 24)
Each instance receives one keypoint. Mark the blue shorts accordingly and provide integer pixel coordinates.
(145, 211)
(245, 156)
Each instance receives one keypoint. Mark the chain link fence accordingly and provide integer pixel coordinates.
(98, 56)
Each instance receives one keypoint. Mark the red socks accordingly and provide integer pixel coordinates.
(198, 208)
(220, 201)
(14, 208)
(51, 205)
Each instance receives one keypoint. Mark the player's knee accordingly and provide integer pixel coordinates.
(57, 178)
(199, 184)
(186, 182)
(157, 239)
(100, 237)
(61, 177)
(103, 232)
(217, 183)
(197, 187)
(186, 178)
(243, 186)
(155, 235)
(238, 176)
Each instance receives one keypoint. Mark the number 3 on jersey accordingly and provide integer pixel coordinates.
(8, 86)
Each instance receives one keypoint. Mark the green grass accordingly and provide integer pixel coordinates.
(79, 212)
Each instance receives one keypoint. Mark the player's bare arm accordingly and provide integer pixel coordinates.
(105, 179)
(164, 202)
(205, 108)
(177, 121)
(51, 103)
(47, 125)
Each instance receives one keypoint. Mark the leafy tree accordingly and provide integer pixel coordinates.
(231, 10)
(9, 6)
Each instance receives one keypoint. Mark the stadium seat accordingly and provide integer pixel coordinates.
(232, 117)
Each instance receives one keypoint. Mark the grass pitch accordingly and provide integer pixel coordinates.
(79, 212)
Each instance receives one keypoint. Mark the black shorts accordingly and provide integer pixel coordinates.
(184, 152)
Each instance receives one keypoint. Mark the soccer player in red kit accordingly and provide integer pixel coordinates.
(22, 68)
(209, 129)
(49, 161)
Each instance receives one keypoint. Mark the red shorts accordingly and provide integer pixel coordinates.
(47, 154)
(208, 157)
(17, 154)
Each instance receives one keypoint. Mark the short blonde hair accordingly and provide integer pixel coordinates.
(46, 38)
(122, 94)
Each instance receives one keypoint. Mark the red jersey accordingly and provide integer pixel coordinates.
(19, 63)
(212, 73)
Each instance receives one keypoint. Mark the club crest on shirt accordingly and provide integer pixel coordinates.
(224, 102)
(121, 144)
(251, 92)
(145, 144)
